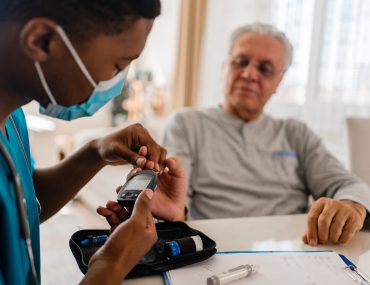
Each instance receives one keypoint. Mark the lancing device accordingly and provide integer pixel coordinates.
(183, 246)
(231, 275)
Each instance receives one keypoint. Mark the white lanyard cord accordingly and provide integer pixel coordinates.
(22, 210)
(24, 154)
(21, 143)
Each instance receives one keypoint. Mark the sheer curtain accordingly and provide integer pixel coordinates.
(345, 59)
(188, 53)
(341, 88)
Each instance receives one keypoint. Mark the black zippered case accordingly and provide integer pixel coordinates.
(155, 261)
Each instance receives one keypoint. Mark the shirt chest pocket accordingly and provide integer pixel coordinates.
(287, 168)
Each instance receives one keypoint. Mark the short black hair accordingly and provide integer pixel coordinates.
(82, 18)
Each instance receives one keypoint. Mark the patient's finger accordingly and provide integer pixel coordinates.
(113, 206)
(111, 217)
(351, 227)
(337, 226)
(304, 238)
(104, 211)
(324, 222)
(312, 220)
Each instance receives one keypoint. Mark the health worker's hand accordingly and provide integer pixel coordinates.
(169, 198)
(124, 248)
(333, 221)
(134, 145)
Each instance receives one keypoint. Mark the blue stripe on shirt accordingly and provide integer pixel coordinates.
(284, 153)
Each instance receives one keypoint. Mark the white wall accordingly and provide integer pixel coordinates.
(221, 20)
(160, 51)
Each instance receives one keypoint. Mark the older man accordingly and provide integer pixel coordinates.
(242, 162)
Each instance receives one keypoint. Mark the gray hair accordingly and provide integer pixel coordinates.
(266, 30)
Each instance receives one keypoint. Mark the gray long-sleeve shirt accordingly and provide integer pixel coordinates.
(263, 167)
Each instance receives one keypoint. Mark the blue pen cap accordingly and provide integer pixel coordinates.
(172, 249)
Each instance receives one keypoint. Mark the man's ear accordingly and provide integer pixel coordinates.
(37, 38)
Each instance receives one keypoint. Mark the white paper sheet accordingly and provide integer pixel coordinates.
(308, 268)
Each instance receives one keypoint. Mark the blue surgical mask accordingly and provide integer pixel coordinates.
(103, 92)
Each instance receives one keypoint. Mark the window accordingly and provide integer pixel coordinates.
(294, 17)
(344, 61)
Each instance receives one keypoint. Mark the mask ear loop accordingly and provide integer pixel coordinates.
(122, 75)
(75, 55)
(44, 83)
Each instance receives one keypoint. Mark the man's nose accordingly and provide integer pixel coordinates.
(250, 72)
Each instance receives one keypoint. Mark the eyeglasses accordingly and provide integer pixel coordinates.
(265, 68)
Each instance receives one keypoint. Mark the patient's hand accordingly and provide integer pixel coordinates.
(169, 199)
(168, 202)
(333, 221)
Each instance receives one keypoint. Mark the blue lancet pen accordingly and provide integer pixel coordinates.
(94, 240)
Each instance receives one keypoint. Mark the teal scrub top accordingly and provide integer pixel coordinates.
(14, 262)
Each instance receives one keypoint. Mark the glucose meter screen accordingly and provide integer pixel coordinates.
(138, 183)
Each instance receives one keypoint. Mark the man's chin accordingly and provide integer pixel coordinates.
(247, 113)
(249, 105)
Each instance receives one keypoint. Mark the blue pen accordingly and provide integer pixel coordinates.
(354, 269)
(94, 240)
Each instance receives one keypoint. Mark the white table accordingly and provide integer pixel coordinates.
(270, 233)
